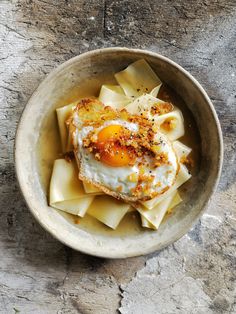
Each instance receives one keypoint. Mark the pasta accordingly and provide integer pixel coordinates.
(182, 151)
(153, 218)
(143, 103)
(62, 115)
(146, 223)
(182, 177)
(108, 210)
(175, 201)
(91, 189)
(137, 91)
(171, 124)
(66, 191)
(155, 90)
(137, 79)
(113, 96)
(157, 213)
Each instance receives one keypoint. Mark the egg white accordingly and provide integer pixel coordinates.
(115, 177)
(96, 171)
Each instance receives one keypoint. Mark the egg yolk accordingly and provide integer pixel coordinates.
(110, 152)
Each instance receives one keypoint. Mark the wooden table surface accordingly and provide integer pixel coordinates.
(40, 275)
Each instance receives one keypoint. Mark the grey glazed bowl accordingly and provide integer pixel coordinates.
(59, 83)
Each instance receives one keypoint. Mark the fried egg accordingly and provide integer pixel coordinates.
(124, 155)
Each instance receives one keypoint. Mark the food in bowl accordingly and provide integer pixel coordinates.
(121, 151)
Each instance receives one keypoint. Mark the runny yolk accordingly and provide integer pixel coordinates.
(109, 133)
(110, 152)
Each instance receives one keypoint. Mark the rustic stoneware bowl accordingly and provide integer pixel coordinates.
(60, 83)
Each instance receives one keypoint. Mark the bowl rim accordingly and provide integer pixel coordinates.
(17, 161)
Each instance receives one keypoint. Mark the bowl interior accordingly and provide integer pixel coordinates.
(61, 88)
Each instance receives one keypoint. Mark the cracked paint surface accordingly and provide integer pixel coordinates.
(40, 275)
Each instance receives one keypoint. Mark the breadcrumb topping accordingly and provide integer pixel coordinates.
(142, 147)
(161, 108)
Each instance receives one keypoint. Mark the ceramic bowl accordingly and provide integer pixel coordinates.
(55, 89)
